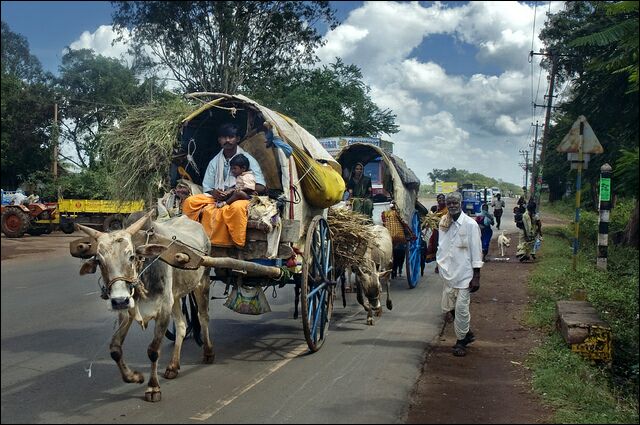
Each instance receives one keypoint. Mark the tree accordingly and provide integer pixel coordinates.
(600, 43)
(95, 92)
(17, 60)
(328, 101)
(223, 46)
(27, 112)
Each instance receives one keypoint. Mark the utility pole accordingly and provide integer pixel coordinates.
(525, 166)
(537, 177)
(533, 161)
(54, 133)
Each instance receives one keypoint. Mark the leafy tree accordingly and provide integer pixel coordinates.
(17, 60)
(599, 44)
(328, 101)
(223, 46)
(95, 92)
(27, 112)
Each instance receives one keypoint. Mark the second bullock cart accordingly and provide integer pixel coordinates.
(400, 194)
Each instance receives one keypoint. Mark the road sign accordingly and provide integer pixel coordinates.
(572, 141)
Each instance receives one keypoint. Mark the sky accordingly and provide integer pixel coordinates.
(456, 74)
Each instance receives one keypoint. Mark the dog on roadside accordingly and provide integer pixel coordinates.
(503, 243)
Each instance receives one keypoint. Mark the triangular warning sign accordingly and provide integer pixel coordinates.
(571, 141)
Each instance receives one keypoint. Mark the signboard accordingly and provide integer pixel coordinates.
(605, 189)
(334, 144)
(446, 187)
(572, 141)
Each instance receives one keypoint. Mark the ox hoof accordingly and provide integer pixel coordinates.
(171, 373)
(135, 378)
(389, 305)
(153, 396)
(208, 358)
(369, 321)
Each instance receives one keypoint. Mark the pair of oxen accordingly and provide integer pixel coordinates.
(141, 290)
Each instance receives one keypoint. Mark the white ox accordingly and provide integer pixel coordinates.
(153, 295)
(376, 266)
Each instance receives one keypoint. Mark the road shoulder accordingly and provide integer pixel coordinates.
(491, 384)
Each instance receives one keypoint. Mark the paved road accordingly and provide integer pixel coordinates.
(55, 328)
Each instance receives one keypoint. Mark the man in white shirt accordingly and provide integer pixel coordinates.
(226, 225)
(218, 178)
(459, 259)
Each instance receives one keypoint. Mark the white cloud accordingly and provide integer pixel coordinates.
(475, 120)
(101, 41)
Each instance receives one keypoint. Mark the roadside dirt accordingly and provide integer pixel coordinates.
(491, 383)
(56, 243)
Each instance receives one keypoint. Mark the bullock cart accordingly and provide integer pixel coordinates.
(402, 186)
(302, 181)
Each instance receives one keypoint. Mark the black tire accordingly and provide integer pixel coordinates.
(67, 227)
(15, 222)
(36, 231)
(113, 222)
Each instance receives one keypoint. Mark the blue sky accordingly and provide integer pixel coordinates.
(455, 73)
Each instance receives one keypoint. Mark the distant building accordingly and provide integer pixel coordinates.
(334, 144)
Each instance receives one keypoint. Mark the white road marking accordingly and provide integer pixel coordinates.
(220, 404)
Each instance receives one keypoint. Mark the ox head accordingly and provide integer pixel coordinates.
(369, 281)
(119, 264)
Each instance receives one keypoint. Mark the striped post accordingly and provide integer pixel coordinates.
(576, 240)
(603, 222)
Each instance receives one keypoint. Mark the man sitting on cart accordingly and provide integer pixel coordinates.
(225, 225)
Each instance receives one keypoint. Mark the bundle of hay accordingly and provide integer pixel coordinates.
(350, 233)
(139, 150)
(431, 221)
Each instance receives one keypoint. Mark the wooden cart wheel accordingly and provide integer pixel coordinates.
(318, 283)
(413, 257)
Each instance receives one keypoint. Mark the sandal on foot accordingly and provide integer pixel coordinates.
(469, 338)
(459, 350)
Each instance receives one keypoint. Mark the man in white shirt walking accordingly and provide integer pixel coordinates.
(459, 259)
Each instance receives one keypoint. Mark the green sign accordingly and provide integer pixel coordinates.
(605, 189)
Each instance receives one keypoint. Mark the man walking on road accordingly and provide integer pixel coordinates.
(459, 258)
(498, 206)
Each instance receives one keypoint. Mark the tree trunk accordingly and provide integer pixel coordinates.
(630, 236)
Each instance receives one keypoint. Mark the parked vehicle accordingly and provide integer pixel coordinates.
(35, 218)
(471, 201)
(104, 214)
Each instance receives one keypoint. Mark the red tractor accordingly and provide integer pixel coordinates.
(35, 219)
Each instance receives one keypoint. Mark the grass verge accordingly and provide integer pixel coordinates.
(581, 392)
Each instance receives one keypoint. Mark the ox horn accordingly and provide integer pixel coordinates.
(89, 231)
(133, 229)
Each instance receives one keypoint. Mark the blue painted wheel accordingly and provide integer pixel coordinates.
(413, 257)
(318, 283)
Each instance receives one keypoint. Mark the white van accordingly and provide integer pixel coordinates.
(496, 191)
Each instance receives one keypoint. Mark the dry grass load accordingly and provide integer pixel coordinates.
(139, 150)
(431, 221)
(350, 233)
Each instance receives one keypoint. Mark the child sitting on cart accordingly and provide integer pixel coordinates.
(245, 185)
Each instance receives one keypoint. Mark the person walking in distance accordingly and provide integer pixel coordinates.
(459, 258)
(498, 208)
(485, 221)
